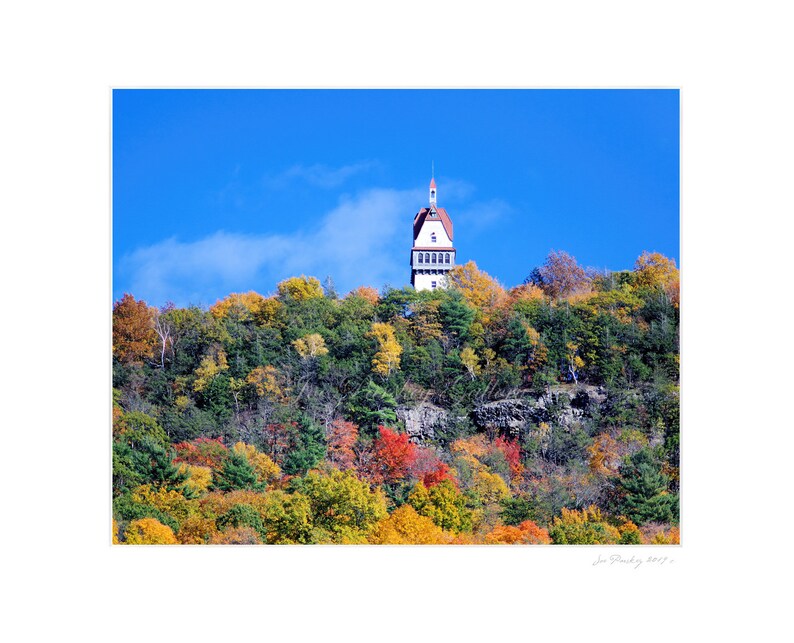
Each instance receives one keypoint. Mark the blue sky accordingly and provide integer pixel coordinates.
(219, 191)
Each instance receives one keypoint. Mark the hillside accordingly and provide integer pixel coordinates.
(547, 413)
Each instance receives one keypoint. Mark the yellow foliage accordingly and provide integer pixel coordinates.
(387, 359)
(149, 531)
(216, 503)
(478, 287)
(671, 537)
(199, 478)
(169, 502)
(490, 487)
(406, 527)
(300, 288)
(210, 367)
(115, 532)
(265, 469)
(312, 345)
(654, 269)
(469, 359)
(241, 303)
(266, 382)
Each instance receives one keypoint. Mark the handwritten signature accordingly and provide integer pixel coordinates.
(633, 561)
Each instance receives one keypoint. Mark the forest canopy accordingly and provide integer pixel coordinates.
(547, 413)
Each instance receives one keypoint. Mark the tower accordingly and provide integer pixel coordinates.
(432, 254)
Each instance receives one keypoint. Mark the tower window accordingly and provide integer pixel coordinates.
(432, 284)
(427, 257)
(433, 237)
(421, 256)
(434, 257)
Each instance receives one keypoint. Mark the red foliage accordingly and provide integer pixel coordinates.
(512, 453)
(202, 452)
(392, 456)
(429, 468)
(439, 474)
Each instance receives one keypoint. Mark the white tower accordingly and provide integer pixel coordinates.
(432, 254)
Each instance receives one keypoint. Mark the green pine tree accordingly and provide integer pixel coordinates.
(237, 473)
(645, 490)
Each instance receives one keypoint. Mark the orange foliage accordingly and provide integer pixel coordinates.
(368, 293)
(341, 437)
(134, 337)
(604, 455)
(524, 292)
(527, 533)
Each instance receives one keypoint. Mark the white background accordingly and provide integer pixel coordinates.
(60, 61)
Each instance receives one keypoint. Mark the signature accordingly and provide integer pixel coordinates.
(634, 561)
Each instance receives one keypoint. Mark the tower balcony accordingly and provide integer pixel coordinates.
(438, 259)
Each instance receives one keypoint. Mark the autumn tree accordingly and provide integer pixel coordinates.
(471, 362)
(406, 527)
(526, 533)
(387, 358)
(443, 504)
(310, 346)
(149, 531)
(287, 518)
(134, 336)
(392, 456)
(481, 290)
(654, 270)
(367, 293)
(300, 288)
(344, 509)
(583, 527)
(560, 276)
(341, 437)
(268, 382)
(212, 365)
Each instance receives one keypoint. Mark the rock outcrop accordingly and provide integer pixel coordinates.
(561, 406)
(423, 421)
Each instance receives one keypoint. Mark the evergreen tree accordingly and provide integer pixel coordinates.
(237, 473)
(645, 491)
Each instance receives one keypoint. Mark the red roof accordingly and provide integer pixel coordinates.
(420, 217)
(432, 183)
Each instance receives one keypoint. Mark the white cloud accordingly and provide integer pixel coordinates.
(365, 240)
(319, 175)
